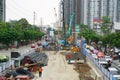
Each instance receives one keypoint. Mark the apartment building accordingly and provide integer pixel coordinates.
(118, 11)
(90, 12)
(2, 10)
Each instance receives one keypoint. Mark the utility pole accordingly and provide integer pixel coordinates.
(64, 29)
(34, 18)
(41, 22)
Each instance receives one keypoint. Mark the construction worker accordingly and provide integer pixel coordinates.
(69, 57)
(40, 71)
(74, 49)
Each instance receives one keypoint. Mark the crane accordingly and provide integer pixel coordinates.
(55, 14)
(56, 17)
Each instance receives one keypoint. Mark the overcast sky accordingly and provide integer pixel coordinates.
(44, 9)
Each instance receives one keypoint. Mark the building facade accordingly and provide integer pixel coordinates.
(2, 10)
(90, 12)
(96, 9)
(70, 7)
(118, 11)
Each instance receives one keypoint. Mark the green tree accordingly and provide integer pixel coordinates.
(106, 25)
(112, 39)
(17, 31)
(89, 34)
(23, 23)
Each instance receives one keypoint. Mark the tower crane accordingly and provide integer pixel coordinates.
(55, 14)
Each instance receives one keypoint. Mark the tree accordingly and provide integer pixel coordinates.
(23, 23)
(17, 31)
(106, 25)
(89, 34)
(112, 39)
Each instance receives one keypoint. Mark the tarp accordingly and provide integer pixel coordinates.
(45, 43)
(61, 42)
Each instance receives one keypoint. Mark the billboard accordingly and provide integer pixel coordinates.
(51, 33)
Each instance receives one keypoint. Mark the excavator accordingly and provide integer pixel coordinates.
(69, 35)
(69, 32)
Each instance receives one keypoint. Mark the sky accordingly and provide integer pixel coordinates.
(44, 10)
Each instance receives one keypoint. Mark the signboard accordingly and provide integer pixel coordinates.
(51, 33)
(77, 28)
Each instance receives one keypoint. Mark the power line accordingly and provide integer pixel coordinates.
(18, 9)
(21, 6)
(14, 12)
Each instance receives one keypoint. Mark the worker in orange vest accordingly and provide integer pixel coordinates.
(74, 49)
(40, 71)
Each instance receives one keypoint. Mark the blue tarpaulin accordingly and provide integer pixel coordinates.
(61, 42)
(45, 44)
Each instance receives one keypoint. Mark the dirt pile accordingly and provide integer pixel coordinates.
(84, 71)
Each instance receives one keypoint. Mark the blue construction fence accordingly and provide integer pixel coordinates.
(106, 73)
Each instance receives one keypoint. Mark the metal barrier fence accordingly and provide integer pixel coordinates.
(6, 65)
(99, 66)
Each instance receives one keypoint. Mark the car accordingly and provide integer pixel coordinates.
(94, 56)
(108, 58)
(113, 71)
(119, 65)
(117, 50)
(117, 77)
(4, 58)
(91, 48)
(33, 46)
(102, 61)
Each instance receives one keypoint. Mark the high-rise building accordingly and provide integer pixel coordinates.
(118, 11)
(78, 12)
(60, 14)
(96, 9)
(70, 7)
(2, 10)
(90, 12)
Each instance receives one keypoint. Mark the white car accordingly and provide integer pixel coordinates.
(94, 56)
(108, 58)
(113, 71)
(117, 50)
(91, 48)
(117, 77)
(102, 61)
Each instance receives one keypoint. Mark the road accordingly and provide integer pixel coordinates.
(23, 50)
(58, 68)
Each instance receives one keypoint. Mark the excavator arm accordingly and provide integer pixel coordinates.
(70, 24)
